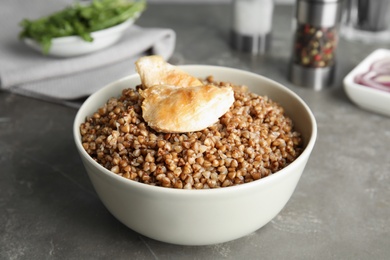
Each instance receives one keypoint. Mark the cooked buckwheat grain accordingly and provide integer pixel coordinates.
(251, 141)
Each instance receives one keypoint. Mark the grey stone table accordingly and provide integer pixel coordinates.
(340, 209)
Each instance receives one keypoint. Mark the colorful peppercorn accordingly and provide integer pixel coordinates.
(314, 46)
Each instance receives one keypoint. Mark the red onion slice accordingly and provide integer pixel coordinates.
(381, 65)
(383, 79)
(378, 75)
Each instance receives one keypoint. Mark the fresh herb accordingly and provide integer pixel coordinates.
(80, 20)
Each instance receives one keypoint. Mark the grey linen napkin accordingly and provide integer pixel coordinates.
(64, 80)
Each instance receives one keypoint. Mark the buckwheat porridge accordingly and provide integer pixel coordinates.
(250, 139)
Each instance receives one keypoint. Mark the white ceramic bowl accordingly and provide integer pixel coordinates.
(70, 46)
(200, 217)
(371, 99)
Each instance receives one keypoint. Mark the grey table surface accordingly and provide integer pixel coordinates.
(339, 210)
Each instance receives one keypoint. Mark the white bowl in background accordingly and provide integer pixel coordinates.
(200, 217)
(70, 46)
(368, 98)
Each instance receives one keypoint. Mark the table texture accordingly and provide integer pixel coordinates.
(339, 210)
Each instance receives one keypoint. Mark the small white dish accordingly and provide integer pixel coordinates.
(368, 98)
(70, 46)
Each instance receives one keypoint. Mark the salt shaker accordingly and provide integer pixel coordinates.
(252, 25)
(316, 36)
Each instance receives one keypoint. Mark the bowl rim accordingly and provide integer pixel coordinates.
(199, 192)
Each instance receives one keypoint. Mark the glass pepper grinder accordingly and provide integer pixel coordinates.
(251, 25)
(316, 36)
